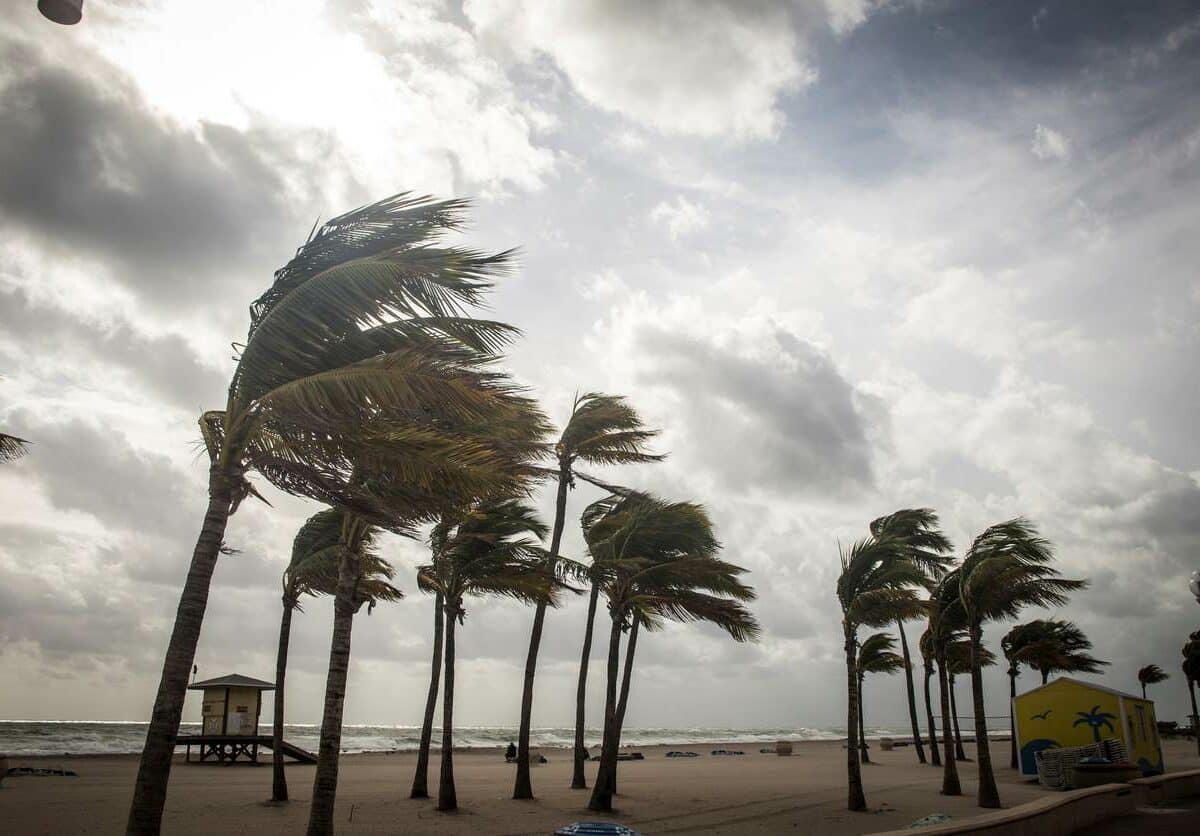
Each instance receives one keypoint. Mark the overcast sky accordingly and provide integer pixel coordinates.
(849, 256)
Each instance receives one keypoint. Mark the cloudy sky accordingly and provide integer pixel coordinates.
(849, 255)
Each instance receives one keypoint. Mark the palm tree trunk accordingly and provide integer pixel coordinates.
(1045, 676)
(324, 794)
(579, 779)
(912, 694)
(934, 755)
(420, 785)
(447, 798)
(856, 800)
(154, 771)
(989, 794)
(950, 783)
(523, 786)
(601, 800)
(1143, 690)
(279, 790)
(623, 700)
(862, 727)
(960, 754)
(1195, 715)
(1012, 722)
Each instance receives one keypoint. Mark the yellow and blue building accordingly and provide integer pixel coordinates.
(1069, 712)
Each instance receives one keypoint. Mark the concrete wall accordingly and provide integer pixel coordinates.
(1071, 811)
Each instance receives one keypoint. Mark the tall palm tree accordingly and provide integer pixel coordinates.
(362, 577)
(1191, 673)
(1006, 569)
(958, 663)
(420, 785)
(359, 332)
(669, 571)
(875, 655)
(876, 587)
(945, 620)
(1014, 641)
(925, 645)
(929, 549)
(486, 550)
(1151, 675)
(602, 430)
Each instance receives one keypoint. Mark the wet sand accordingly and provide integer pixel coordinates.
(751, 794)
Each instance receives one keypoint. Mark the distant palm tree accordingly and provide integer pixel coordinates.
(875, 655)
(487, 550)
(1096, 720)
(925, 644)
(360, 337)
(876, 587)
(602, 430)
(673, 575)
(958, 663)
(929, 549)
(946, 619)
(1151, 675)
(420, 785)
(1048, 646)
(1006, 569)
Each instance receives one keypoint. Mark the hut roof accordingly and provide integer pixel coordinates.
(1091, 685)
(233, 680)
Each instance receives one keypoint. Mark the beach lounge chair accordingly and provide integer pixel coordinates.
(595, 828)
(726, 752)
(1056, 767)
(683, 754)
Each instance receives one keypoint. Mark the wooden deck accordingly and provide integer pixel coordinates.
(231, 748)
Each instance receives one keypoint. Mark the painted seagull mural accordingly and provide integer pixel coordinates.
(1043, 715)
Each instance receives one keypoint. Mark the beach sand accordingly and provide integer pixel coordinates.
(752, 794)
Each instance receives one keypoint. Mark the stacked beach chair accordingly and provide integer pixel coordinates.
(1056, 767)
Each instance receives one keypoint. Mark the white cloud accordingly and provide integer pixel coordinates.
(706, 68)
(681, 217)
(1049, 144)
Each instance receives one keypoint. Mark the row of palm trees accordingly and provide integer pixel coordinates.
(365, 384)
(903, 571)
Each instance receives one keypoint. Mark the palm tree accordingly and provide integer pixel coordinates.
(928, 549)
(11, 447)
(1096, 719)
(875, 655)
(358, 338)
(602, 429)
(486, 550)
(1006, 569)
(1048, 646)
(313, 570)
(420, 785)
(876, 587)
(1151, 675)
(362, 577)
(945, 620)
(925, 645)
(668, 570)
(1191, 673)
(958, 663)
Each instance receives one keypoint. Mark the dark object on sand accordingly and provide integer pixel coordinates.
(510, 754)
(683, 754)
(727, 752)
(595, 828)
(631, 756)
(29, 770)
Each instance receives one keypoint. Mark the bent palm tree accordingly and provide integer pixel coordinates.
(359, 332)
(945, 620)
(876, 587)
(485, 551)
(602, 429)
(925, 645)
(420, 785)
(929, 549)
(875, 655)
(668, 571)
(958, 663)
(1006, 569)
(1151, 675)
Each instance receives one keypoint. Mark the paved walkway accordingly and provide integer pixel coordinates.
(1180, 818)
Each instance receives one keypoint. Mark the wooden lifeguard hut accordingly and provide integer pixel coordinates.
(231, 707)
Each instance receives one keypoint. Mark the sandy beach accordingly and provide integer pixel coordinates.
(754, 793)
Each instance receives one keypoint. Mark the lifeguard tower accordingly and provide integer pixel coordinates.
(229, 715)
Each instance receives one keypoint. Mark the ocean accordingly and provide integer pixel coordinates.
(61, 737)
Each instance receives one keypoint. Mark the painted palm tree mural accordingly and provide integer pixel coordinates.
(1096, 719)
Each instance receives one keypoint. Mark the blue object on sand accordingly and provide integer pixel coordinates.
(595, 828)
